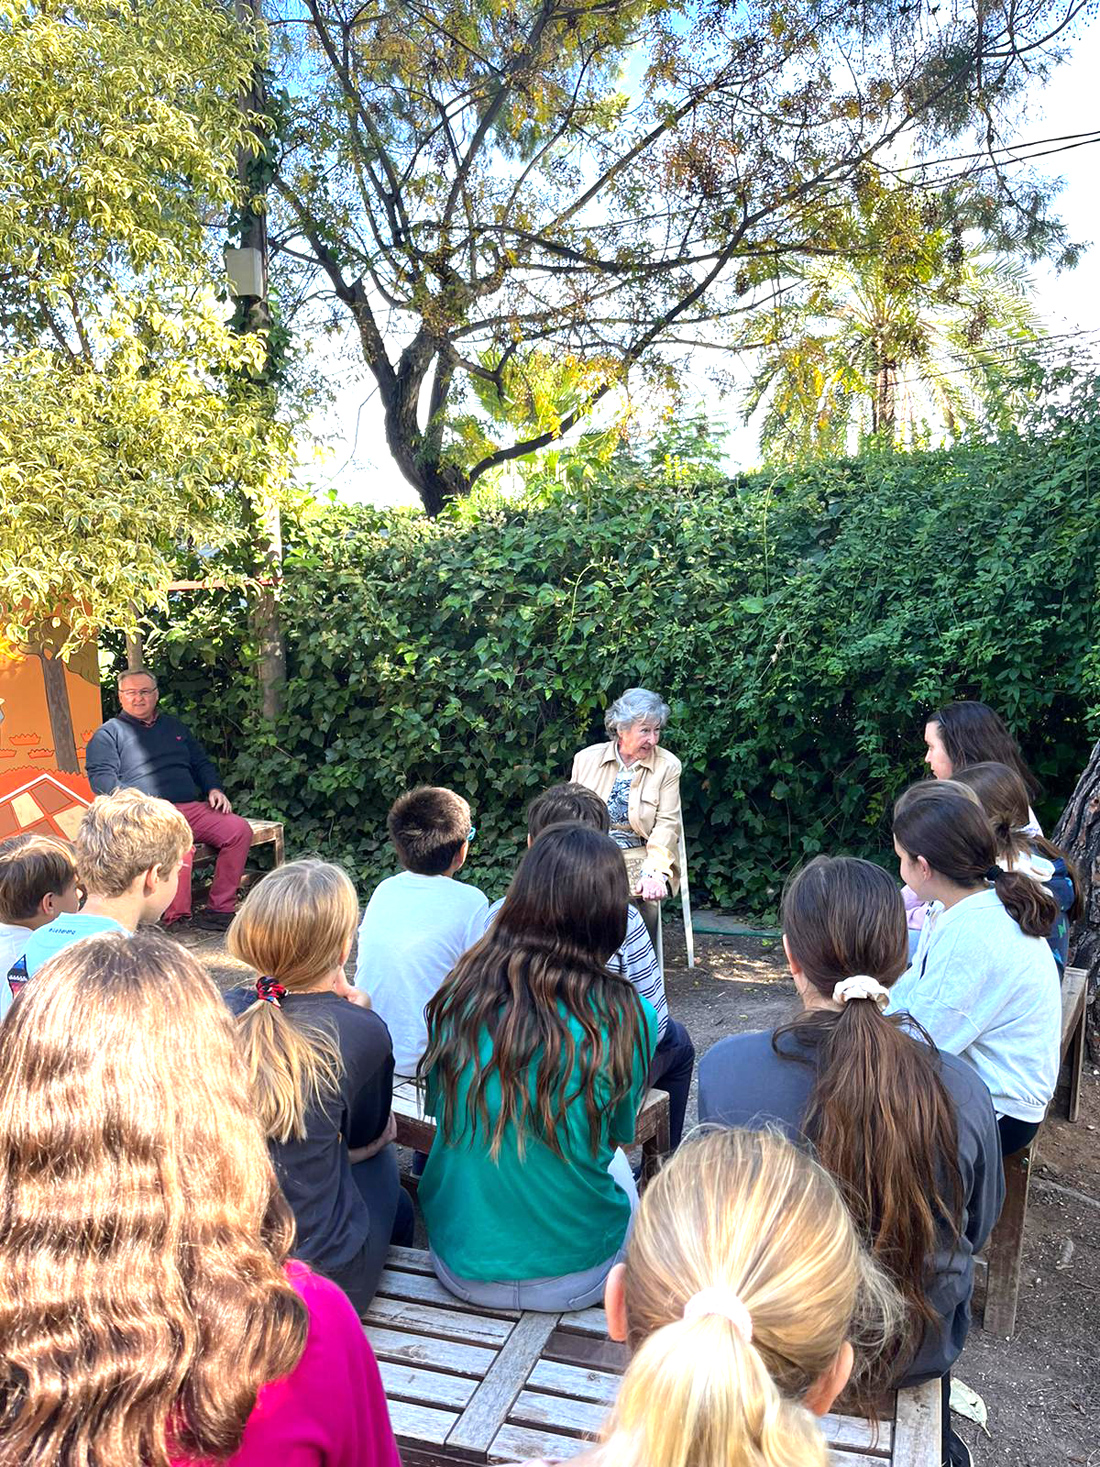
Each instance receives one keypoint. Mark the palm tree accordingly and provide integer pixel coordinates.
(903, 329)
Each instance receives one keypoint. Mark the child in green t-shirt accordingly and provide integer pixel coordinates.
(536, 1069)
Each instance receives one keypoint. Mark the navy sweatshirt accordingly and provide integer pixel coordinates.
(163, 760)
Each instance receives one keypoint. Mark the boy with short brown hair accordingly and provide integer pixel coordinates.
(418, 923)
(129, 850)
(37, 884)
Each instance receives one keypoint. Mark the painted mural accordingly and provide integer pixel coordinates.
(49, 710)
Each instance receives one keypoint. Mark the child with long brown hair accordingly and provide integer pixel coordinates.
(983, 982)
(744, 1290)
(1003, 797)
(147, 1305)
(536, 1070)
(909, 1133)
(321, 1067)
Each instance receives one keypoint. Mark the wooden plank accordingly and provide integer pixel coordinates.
(559, 1379)
(411, 1260)
(429, 1387)
(1073, 1036)
(586, 1351)
(586, 1322)
(560, 1414)
(490, 1403)
(414, 1423)
(856, 1434)
(457, 1323)
(917, 1426)
(518, 1443)
(414, 1349)
(399, 1283)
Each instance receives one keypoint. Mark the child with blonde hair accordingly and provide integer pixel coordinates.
(321, 1069)
(150, 1312)
(129, 851)
(37, 884)
(743, 1298)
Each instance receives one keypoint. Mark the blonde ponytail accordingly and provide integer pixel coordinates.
(698, 1395)
(295, 927)
(748, 1212)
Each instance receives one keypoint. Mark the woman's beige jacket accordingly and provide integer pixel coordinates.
(653, 810)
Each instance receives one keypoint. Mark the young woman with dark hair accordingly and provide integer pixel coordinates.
(965, 733)
(909, 1133)
(148, 1308)
(1004, 799)
(983, 983)
(536, 1070)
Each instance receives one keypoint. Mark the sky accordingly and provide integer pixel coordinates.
(356, 463)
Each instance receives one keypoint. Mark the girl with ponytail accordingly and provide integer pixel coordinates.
(1003, 797)
(983, 983)
(321, 1069)
(744, 1288)
(909, 1133)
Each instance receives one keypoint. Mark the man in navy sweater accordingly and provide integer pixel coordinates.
(153, 752)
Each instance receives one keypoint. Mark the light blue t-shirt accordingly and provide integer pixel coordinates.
(70, 927)
(987, 992)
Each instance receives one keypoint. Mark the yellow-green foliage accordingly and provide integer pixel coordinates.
(128, 422)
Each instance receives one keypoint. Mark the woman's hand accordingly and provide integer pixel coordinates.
(652, 888)
(364, 1153)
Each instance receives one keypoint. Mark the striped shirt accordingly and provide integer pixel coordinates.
(635, 961)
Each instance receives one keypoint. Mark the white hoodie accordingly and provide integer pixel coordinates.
(987, 992)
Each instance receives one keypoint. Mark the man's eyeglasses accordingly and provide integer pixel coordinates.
(473, 832)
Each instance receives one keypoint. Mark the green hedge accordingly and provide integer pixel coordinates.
(801, 624)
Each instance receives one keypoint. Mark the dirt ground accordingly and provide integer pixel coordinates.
(1042, 1388)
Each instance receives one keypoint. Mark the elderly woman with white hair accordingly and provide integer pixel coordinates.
(641, 783)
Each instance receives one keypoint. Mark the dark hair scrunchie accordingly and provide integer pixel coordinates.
(994, 872)
(270, 990)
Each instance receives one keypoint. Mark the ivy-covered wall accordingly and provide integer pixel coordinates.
(801, 625)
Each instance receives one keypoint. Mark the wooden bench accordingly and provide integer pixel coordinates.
(417, 1130)
(471, 1385)
(1006, 1244)
(264, 833)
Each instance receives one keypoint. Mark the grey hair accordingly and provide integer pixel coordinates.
(135, 672)
(631, 707)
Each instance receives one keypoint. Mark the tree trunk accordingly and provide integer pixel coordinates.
(1078, 834)
(61, 721)
(884, 409)
(258, 317)
(265, 616)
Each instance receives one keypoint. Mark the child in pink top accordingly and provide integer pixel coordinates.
(143, 1261)
(330, 1410)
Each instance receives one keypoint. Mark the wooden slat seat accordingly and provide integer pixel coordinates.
(264, 832)
(1006, 1244)
(540, 1385)
(416, 1129)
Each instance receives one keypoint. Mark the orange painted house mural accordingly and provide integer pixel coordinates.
(49, 709)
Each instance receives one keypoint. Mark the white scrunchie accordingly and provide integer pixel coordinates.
(724, 1302)
(861, 986)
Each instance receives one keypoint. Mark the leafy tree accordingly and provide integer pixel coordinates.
(129, 425)
(907, 328)
(472, 185)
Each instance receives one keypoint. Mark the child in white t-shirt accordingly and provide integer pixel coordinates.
(419, 923)
(37, 884)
